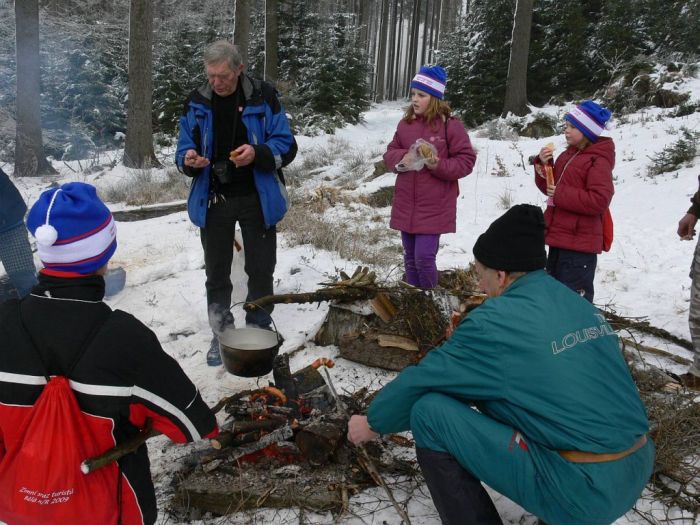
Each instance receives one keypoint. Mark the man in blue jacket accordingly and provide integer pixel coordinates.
(15, 252)
(234, 140)
(531, 395)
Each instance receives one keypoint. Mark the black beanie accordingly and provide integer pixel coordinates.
(514, 242)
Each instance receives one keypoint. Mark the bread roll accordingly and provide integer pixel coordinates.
(425, 150)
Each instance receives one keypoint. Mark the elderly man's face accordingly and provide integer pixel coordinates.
(222, 79)
(492, 282)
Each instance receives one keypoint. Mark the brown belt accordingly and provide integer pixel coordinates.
(576, 456)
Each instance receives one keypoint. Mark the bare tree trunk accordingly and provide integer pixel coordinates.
(426, 25)
(434, 24)
(412, 62)
(241, 28)
(381, 54)
(516, 85)
(364, 8)
(30, 159)
(392, 52)
(271, 41)
(400, 57)
(138, 147)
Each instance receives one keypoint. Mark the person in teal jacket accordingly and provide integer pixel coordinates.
(530, 395)
(234, 139)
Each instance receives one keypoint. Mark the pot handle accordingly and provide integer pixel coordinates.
(277, 333)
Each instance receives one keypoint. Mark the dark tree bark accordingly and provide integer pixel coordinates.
(516, 85)
(138, 147)
(241, 28)
(412, 62)
(379, 89)
(30, 159)
(400, 56)
(364, 8)
(271, 41)
(392, 51)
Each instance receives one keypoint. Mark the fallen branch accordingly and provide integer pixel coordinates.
(656, 351)
(617, 322)
(325, 294)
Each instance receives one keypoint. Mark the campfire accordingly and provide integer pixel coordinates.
(285, 445)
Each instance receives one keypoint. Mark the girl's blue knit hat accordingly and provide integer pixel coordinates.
(432, 80)
(75, 232)
(589, 118)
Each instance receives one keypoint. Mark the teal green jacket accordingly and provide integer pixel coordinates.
(538, 358)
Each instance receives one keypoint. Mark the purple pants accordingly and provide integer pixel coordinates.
(419, 251)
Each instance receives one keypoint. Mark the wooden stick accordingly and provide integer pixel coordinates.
(113, 454)
(365, 459)
(131, 445)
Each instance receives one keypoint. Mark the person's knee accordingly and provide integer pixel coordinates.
(426, 415)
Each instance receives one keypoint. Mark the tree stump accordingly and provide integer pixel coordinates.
(367, 350)
(341, 321)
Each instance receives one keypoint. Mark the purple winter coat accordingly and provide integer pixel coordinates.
(425, 201)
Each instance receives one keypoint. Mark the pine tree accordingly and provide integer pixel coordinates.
(476, 57)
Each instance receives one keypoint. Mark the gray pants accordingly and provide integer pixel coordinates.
(694, 314)
(16, 257)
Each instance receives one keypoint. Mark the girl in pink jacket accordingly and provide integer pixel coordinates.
(430, 151)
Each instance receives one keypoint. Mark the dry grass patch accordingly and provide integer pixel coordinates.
(369, 244)
(142, 188)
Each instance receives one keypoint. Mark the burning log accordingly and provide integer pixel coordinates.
(318, 440)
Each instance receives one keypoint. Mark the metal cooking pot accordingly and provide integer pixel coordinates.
(249, 352)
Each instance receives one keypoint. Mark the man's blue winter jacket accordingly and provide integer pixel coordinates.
(12, 206)
(268, 133)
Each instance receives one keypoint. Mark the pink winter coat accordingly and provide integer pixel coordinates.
(584, 191)
(425, 201)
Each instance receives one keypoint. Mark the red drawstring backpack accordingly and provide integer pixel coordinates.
(40, 477)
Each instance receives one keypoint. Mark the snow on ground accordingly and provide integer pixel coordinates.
(644, 275)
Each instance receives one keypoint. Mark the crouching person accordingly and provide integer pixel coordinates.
(531, 395)
(76, 378)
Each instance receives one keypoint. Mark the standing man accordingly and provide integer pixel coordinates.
(234, 140)
(558, 427)
(686, 231)
(15, 252)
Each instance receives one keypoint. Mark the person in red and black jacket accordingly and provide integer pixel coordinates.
(124, 377)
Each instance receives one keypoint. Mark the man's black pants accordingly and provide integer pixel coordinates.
(260, 248)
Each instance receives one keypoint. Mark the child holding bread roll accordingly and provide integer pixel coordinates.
(425, 198)
(579, 194)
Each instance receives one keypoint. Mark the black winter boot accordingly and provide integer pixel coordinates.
(459, 497)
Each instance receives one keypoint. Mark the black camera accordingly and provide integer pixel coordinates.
(223, 171)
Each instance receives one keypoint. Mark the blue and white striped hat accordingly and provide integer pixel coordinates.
(432, 80)
(75, 232)
(589, 118)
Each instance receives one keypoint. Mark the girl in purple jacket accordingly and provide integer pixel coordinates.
(430, 151)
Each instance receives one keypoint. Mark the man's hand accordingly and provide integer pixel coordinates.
(359, 431)
(242, 155)
(686, 227)
(194, 160)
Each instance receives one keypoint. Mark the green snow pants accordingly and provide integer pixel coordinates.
(535, 477)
